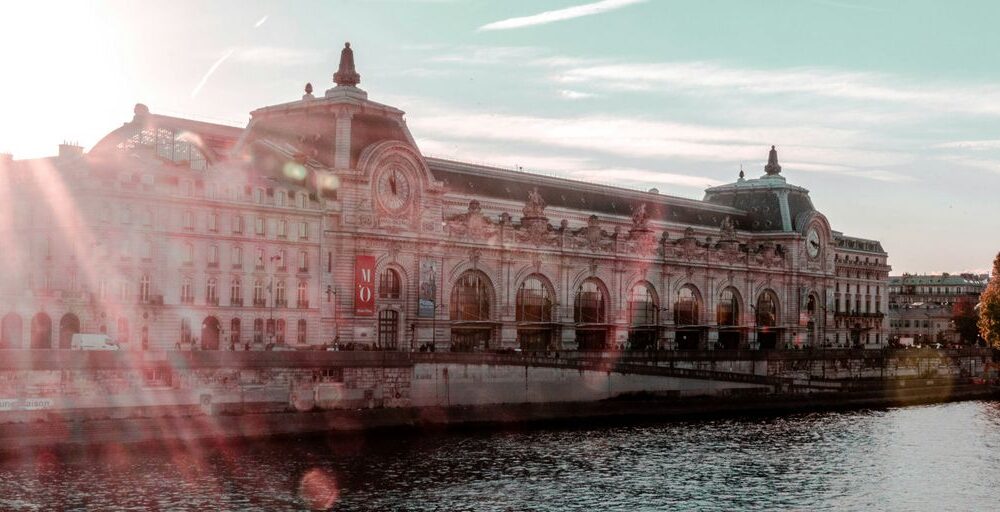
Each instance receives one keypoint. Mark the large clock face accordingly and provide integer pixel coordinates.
(393, 190)
(812, 243)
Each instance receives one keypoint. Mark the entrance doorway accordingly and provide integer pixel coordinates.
(592, 339)
(642, 339)
(470, 339)
(688, 340)
(210, 334)
(730, 340)
(68, 326)
(767, 340)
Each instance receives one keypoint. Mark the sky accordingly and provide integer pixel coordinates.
(888, 112)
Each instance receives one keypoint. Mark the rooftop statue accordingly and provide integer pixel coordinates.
(346, 75)
(535, 207)
(772, 166)
(639, 217)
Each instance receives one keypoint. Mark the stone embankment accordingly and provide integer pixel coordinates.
(69, 397)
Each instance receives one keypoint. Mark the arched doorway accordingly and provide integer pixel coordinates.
(767, 320)
(533, 314)
(727, 317)
(590, 312)
(210, 333)
(11, 330)
(41, 331)
(471, 306)
(68, 326)
(687, 318)
(644, 316)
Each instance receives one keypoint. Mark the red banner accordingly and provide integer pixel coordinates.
(364, 286)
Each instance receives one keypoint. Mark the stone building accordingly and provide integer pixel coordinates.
(921, 307)
(178, 232)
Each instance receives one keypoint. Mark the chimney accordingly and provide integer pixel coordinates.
(70, 150)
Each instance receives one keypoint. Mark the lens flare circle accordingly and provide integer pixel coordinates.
(318, 489)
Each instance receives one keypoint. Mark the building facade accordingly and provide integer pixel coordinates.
(322, 222)
(922, 307)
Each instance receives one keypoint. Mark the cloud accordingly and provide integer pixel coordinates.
(559, 14)
(574, 95)
(703, 78)
(260, 22)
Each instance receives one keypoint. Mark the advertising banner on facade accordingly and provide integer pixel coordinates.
(427, 298)
(364, 285)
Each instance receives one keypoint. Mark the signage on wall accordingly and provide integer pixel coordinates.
(427, 298)
(364, 285)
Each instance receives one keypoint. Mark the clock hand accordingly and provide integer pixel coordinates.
(814, 243)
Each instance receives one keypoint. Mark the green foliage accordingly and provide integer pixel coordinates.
(989, 308)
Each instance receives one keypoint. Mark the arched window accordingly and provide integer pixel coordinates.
(687, 306)
(300, 333)
(234, 332)
(258, 293)
(236, 292)
(388, 328)
(389, 284)
(728, 310)
(279, 294)
(470, 298)
(642, 305)
(534, 301)
(237, 257)
(590, 303)
(767, 309)
(144, 288)
(185, 331)
(212, 292)
(281, 331)
(811, 305)
(258, 330)
(302, 299)
(187, 291)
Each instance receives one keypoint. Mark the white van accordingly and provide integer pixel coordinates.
(93, 342)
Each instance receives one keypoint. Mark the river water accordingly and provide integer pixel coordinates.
(938, 457)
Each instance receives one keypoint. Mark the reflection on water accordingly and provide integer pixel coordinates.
(939, 457)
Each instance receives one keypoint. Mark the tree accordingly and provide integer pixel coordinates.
(989, 308)
(964, 318)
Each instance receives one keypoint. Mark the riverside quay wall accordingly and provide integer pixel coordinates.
(72, 387)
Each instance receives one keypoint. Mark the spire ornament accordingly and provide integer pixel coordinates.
(346, 75)
(772, 168)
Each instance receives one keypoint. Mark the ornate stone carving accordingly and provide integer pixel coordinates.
(767, 255)
(727, 231)
(592, 236)
(472, 224)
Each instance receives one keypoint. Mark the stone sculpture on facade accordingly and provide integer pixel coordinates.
(472, 224)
